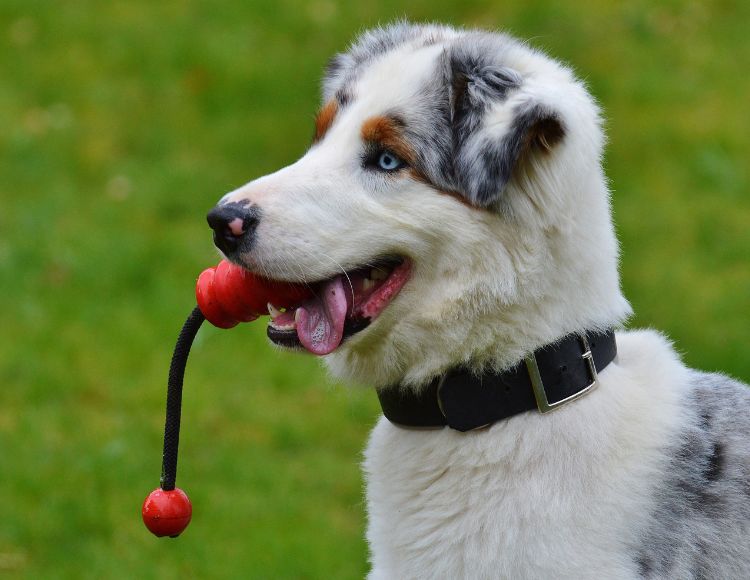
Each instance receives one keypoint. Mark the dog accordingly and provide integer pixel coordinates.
(453, 218)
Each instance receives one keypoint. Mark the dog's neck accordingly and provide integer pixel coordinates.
(546, 379)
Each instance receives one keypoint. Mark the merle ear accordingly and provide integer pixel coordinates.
(488, 150)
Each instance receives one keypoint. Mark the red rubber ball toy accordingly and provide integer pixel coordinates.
(228, 294)
(167, 513)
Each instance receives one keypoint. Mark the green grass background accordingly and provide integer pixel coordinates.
(121, 123)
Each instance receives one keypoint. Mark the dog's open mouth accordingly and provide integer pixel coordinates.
(340, 307)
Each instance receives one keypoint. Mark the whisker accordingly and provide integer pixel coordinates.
(351, 286)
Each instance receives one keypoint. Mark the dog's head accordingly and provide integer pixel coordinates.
(451, 209)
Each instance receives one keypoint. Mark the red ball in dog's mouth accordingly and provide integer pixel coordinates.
(316, 316)
(339, 307)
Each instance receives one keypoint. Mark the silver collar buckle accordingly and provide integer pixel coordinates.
(540, 394)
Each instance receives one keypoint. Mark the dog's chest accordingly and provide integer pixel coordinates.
(443, 504)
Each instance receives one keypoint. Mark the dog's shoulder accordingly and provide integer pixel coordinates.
(698, 528)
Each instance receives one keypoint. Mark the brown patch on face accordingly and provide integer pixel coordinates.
(387, 132)
(324, 119)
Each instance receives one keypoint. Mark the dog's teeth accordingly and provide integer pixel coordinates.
(367, 284)
(273, 311)
(296, 316)
(377, 274)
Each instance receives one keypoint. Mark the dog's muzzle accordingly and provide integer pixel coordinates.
(234, 225)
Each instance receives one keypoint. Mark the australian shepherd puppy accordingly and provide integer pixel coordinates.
(453, 217)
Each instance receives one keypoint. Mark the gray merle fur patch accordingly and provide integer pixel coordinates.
(703, 505)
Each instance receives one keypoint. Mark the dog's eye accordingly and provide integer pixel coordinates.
(384, 160)
(381, 159)
(387, 161)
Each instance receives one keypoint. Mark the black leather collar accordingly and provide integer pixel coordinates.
(462, 400)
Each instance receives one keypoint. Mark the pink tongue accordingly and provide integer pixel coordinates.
(320, 320)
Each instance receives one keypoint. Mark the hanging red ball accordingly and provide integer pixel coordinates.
(167, 513)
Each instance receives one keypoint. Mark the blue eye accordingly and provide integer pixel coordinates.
(387, 161)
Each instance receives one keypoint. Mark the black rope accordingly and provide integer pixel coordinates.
(174, 397)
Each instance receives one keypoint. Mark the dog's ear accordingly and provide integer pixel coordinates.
(495, 127)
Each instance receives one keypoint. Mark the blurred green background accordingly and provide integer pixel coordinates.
(123, 122)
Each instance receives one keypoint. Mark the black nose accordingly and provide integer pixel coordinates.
(233, 225)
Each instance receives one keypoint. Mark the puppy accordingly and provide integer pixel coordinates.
(453, 218)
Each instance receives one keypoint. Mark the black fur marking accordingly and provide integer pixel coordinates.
(474, 86)
(645, 566)
(343, 96)
(695, 486)
(498, 159)
(477, 81)
(715, 463)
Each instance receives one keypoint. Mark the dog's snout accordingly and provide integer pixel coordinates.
(233, 225)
